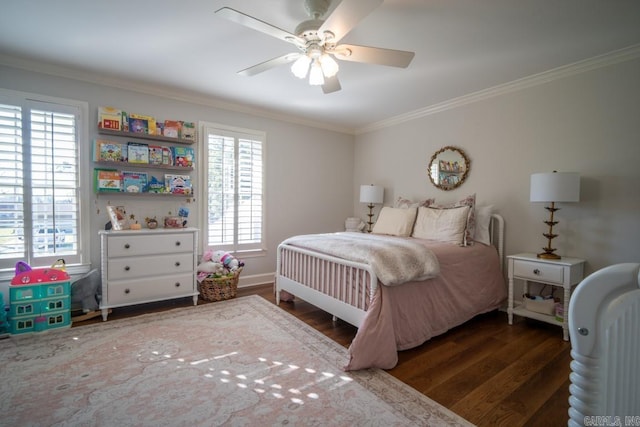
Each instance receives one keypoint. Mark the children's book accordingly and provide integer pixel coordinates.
(183, 156)
(178, 184)
(134, 182)
(155, 185)
(107, 180)
(109, 118)
(142, 124)
(172, 128)
(188, 131)
(107, 151)
(137, 152)
(155, 155)
(138, 125)
(167, 157)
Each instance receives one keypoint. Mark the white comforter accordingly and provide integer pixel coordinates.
(393, 260)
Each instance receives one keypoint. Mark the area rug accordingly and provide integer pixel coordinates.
(242, 362)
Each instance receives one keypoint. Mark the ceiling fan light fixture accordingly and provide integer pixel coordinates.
(315, 75)
(301, 66)
(329, 66)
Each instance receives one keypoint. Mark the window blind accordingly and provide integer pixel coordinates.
(39, 183)
(234, 191)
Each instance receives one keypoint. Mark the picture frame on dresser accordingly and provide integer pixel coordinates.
(118, 217)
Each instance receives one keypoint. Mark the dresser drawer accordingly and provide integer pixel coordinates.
(123, 292)
(145, 266)
(133, 245)
(538, 271)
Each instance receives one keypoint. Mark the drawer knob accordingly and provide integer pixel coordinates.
(127, 246)
(536, 272)
(177, 263)
(127, 268)
(178, 243)
(126, 291)
(177, 284)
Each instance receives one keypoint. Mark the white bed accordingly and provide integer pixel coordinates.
(392, 318)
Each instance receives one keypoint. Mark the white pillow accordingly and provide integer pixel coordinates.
(470, 201)
(445, 225)
(395, 221)
(483, 219)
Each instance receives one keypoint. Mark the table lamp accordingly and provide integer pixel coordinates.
(554, 187)
(371, 194)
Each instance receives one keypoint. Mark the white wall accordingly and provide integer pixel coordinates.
(586, 123)
(308, 170)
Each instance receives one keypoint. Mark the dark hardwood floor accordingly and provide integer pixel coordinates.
(488, 372)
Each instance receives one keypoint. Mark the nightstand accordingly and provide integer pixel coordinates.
(565, 273)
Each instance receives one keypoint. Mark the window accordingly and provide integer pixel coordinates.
(234, 177)
(40, 199)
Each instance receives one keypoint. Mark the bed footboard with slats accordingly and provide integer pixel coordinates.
(339, 287)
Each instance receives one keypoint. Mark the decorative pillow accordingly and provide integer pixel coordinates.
(401, 202)
(445, 225)
(395, 221)
(471, 220)
(483, 219)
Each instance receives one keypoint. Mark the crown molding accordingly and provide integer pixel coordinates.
(600, 61)
(158, 90)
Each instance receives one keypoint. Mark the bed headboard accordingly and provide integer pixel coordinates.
(496, 233)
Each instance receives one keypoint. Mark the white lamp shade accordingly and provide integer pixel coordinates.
(329, 66)
(300, 68)
(555, 187)
(371, 194)
(315, 75)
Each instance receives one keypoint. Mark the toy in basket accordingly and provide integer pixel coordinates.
(218, 275)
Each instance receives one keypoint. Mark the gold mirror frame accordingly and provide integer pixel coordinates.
(448, 168)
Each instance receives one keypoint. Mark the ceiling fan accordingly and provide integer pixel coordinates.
(317, 42)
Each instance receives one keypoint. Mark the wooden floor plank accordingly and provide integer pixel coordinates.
(487, 371)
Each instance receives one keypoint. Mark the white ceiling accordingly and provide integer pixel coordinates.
(461, 46)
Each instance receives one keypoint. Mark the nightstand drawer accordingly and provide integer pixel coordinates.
(538, 271)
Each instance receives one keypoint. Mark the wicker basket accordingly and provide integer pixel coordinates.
(219, 288)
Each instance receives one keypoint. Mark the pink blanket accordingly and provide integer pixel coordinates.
(403, 317)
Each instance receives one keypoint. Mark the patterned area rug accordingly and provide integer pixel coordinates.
(242, 362)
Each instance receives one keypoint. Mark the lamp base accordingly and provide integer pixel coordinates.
(548, 255)
(370, 215)
(549, 251)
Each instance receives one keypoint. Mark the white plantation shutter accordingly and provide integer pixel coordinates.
(39, 183)
(235, 198)
(12, 219)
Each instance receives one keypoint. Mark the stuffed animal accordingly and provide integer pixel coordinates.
(218, 262)
(230, 262)
(212, 267)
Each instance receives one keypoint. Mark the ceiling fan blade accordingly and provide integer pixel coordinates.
(346, 15)
(267, 65)
(373, 55)
(331, 84)
(258, 25)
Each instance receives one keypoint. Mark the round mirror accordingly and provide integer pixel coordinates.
(449, 168)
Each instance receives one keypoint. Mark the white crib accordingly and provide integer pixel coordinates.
(604, 323)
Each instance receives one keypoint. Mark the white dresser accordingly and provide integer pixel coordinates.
(147, 265)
